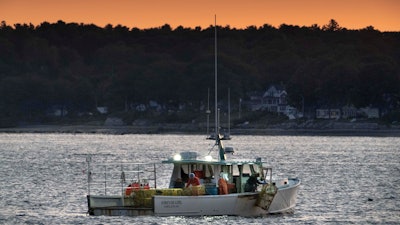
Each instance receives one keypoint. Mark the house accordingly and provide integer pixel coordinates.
(57, 111)
(370, 113)
(349, 112)
(102, 109)
(272, 100)
(328, 114)
(155, 106)
(293, 113)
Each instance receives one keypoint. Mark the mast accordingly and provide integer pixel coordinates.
(216, 80)
(229, 111)
(221, 149)
(208, 111)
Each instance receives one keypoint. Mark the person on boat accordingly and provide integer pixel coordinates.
(179, 183)
(223, 184)
(193, 180)
(251, 183)
(184, 176)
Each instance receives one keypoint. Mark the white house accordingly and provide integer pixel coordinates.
(349, 112)
(272, 100)
(371, 113)
(102, 109)
(328, 114)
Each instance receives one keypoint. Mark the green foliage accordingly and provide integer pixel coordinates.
(80, 66)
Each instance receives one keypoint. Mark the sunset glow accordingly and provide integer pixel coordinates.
(352, 14)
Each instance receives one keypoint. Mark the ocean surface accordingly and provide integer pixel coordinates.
(345, 180)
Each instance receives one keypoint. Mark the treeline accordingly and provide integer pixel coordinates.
(80, 66)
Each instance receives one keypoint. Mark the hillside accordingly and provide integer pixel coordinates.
(76, 67)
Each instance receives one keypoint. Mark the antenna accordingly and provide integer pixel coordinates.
(208, 110)
(229, 111)
(216, 80)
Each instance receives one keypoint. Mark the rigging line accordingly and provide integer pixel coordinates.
(211, 148)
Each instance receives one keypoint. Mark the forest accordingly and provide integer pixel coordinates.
(78, 67)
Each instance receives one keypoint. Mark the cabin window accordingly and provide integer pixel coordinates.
(255, 169)
(246, 170)
(235, 170)
(185, 169)
(209, 171)
(200, 170)
(185, 172)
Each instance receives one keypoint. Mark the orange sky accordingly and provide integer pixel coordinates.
(383, 15)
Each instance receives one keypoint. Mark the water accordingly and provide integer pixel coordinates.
(345, 180)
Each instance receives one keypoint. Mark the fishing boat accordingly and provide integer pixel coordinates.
(225, 185)
(236, 187)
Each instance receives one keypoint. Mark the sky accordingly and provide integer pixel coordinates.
(383, 15)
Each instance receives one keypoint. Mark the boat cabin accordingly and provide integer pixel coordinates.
(240, 175)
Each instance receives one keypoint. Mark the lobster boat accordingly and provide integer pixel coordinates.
(227, 187)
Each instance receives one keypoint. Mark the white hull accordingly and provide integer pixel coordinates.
(208, 205)
(243, 204)
(285, 199)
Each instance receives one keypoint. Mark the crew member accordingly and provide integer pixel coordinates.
(193, 180)
(222, 184)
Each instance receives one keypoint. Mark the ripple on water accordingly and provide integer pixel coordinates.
(344, 179)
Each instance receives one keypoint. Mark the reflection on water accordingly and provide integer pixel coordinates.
(344, 179)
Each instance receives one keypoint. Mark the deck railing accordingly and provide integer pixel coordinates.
(113, 178)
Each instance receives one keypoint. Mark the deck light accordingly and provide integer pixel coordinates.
(208, 158)
(177, 157)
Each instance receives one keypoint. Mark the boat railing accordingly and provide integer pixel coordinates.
(114, 178)
(267, 171)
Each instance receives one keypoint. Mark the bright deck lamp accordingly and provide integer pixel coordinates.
(208, 158)
(177, 157)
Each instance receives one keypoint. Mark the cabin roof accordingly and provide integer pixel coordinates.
(213, 162)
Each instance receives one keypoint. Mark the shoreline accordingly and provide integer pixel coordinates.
(185, 129)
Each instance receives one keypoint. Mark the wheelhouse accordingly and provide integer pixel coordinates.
(236, 172)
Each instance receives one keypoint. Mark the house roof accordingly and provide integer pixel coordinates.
(275, 91)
